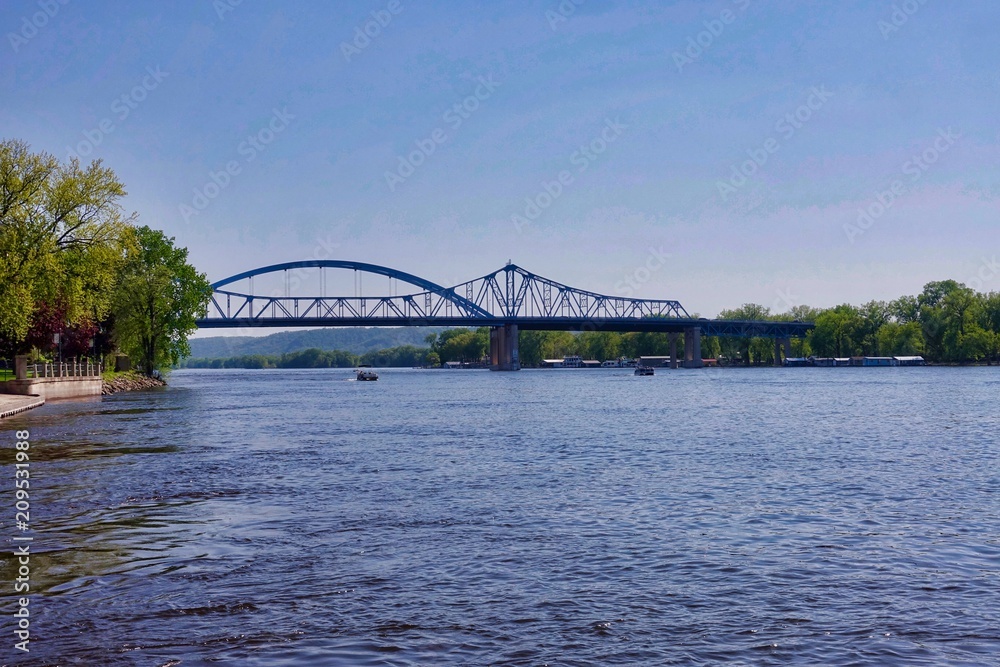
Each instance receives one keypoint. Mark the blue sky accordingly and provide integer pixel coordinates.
(578, 140)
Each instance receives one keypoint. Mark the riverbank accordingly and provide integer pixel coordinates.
(12, 404)
(114, 383)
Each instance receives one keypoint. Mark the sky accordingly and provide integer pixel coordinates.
(716, 152)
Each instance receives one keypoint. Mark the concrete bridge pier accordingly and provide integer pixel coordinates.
(692, 347)
(503, 348)
(779, 345)
(673, 349)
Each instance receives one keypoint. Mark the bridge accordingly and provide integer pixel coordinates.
(507, 300)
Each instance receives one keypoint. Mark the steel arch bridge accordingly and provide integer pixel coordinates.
(509, 293)
(506, 300)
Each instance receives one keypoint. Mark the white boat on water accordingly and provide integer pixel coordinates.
(643, 370)
(366, 374)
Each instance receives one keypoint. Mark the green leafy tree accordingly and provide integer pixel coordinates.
(158, 299)
(402, 356)
(989, 313)
(963, 337)
(62, 238)
(874, 315)
(600, 345)
(461, 344)
(530, 347)
(905, 309)
(749, 350)
(932, 316)
(801, 313)
(559, 344)
(901, 339)
(711, 347)
(836, 332)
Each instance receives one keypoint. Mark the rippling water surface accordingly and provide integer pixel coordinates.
(757, 517)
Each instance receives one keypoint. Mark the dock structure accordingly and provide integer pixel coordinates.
(831, 362)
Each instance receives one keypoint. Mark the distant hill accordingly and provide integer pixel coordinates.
(355, 340)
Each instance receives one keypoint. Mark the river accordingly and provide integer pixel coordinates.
(564, 517)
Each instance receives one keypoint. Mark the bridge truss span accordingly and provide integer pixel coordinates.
(507, 294)
(507, 300)
(513, 292)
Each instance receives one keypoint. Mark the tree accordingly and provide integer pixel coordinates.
(874, 315)
(990, 321)
(558, 344)
(600, 345)
(901, 339)
(905, 309)
(963, 337)
(530, 347)
(61, 238)
(836, 332)
(158, 299)
(711, 347)
(757, 350)
(461, 344)
(801, 313)
(396, 357)
(948, 314)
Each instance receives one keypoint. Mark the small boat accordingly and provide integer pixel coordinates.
(643, 370)
(366, 374)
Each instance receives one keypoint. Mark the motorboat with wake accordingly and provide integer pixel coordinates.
(366, 374)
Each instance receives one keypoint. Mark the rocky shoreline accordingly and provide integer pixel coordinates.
(130, 382)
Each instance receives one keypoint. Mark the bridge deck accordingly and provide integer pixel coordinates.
(764, 329)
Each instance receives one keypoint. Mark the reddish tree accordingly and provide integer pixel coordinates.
(48, 320)
(76, 339)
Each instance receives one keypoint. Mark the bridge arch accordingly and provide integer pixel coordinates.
(416, 281)
(428, 287)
